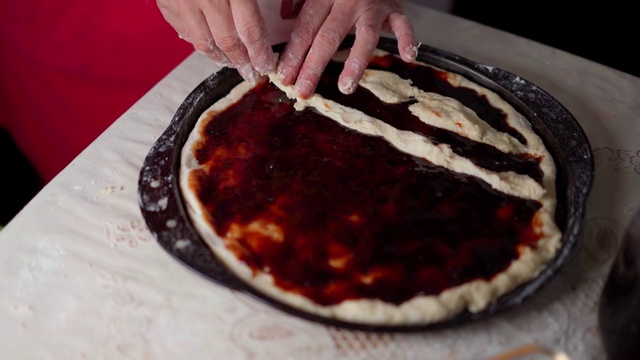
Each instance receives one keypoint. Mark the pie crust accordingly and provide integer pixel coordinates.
(438, 111)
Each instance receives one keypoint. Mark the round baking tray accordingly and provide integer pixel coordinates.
(163, 210)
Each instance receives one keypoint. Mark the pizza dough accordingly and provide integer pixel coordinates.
(255, 223)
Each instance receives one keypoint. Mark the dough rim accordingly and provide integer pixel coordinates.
(474, 296)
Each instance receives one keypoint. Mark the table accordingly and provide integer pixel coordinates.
(82, 278)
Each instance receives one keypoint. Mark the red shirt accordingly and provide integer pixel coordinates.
(68, 69)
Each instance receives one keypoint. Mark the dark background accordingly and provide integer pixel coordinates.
(19, 182)
(602, 31)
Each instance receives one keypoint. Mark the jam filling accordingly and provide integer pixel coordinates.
(333, 214)
(432, 80)
(400, 117)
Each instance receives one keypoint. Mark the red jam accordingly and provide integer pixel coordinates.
(399, 116)
(429, 79)
(333, 214)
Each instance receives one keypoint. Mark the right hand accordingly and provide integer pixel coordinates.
(323, 24)
(231, 33)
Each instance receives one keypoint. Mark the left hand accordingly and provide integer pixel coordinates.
(323, 24)
(230, 32)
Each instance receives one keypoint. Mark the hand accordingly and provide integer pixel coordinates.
(231, 32)
(323, 24)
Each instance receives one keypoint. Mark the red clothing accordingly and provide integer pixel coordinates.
(68, 69)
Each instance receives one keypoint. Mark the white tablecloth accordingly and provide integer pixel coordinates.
(82, 278)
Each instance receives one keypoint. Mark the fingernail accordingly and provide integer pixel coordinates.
(347, 87)
(247, 73)
(304, 88)
(411, 51)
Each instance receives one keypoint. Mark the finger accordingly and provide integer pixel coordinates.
(253, 33)
(220, 20)
(367, 34)
(171, 13)
(193, 28)
(309, 21)
(401, 27)
(324, 46)
(196, 34)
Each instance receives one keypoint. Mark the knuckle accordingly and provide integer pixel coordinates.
(228, 43)
(313, 73)
(254, 34)
(303, 33)
(291, 57)
(356, 65)
(329, 39)
(402, 22)
(405, 36)
(367, 32)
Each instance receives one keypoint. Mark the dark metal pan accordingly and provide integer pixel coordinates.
(562, 134)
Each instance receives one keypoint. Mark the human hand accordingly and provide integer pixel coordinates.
(323, 24)
(230, 32)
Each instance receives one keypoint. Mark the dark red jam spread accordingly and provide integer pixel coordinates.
(400, 117)
(432, 80)
(333, 214)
